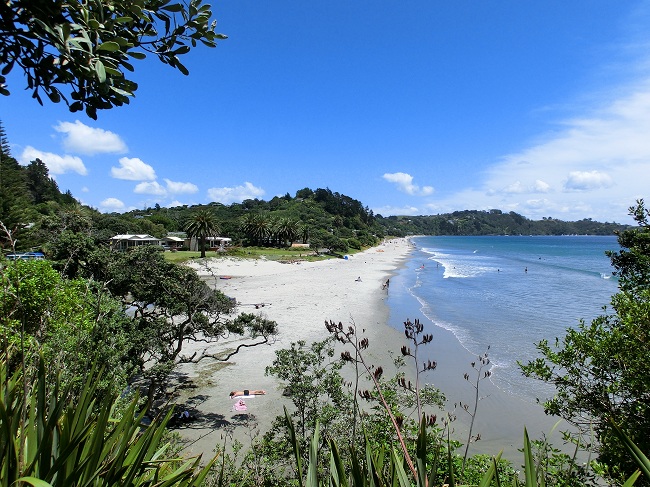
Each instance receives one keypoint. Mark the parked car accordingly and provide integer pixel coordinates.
(26, 256)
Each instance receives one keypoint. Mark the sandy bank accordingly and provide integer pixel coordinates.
(299, 297)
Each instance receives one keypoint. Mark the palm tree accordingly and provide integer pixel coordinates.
(202, 225)
(303, 230)
(257, 226)
(287, 230)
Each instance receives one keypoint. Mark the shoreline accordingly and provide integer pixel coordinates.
(501, 415)
(300, 297)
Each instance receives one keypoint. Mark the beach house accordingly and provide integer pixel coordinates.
(218, 244)
(128, 241)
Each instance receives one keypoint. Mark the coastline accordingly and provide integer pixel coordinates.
(300, 297)
(501, 415)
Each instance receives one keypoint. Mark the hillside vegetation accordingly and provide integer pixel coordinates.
(31, 206)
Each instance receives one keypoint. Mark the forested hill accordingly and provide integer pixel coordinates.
(492, 222)
(31, 205)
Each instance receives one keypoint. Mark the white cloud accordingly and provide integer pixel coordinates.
(82, 139)
(397, 210)
(174, 187)
(596, 165)
(55, 163)
(515, 188)
(152, 187)
(111, 204)
(133, 169)
(404, 183)
(539, 203)
(541, 186)
(85, 189)
(584, 181)
(236, 194)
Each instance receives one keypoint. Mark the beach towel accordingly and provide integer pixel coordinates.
(240, 406)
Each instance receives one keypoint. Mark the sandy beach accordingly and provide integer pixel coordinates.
(299, 296)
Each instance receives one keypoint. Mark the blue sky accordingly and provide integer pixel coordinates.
(412, 107)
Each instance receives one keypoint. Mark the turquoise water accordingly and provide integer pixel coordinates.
(505, 292)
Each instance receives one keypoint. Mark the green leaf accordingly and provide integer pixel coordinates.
(34, 481)
(109, 46)
(337, 467)
(421, 453)
(112, 71)
(121, 92)
(633, 478)
(450, 462)
(486, 480)
(399, 472)
(101, 72)
(641, 460)
(54, 96)
(312, 470)
(182, 50)
(296, 445)
(529, 462)
(182, 68)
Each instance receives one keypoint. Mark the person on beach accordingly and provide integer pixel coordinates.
(246, 392)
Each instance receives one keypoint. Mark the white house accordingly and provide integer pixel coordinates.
(211, 243)
(174, 243)
(127, 241)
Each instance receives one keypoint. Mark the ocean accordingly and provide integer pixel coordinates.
(507, 293)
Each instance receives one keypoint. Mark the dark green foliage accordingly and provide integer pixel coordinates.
(601, 370)
(16, 208)
(40, 185)
(80, 53)
(172, 305)
(51, 437)
(371, 464)
(71, 323)
(492, 222)
(313, 382)
(27, 194)
(201, 225)
(67, 239)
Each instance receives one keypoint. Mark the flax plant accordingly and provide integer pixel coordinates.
(49, 438)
